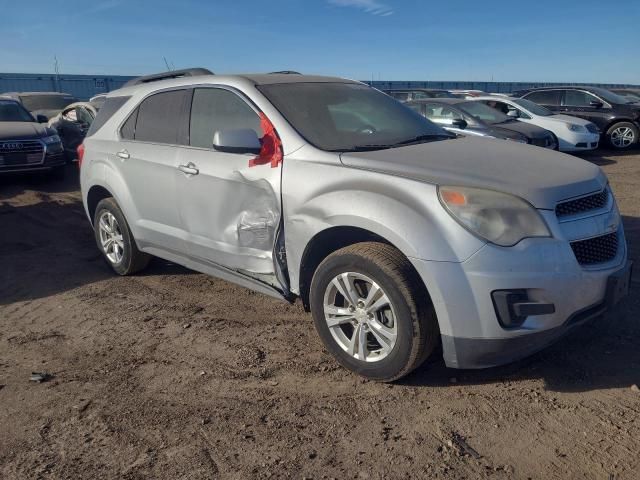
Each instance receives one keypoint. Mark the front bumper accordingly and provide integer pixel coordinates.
(576, 142)
(546, 268)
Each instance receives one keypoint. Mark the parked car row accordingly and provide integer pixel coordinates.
(396, 234)
(613, 115)
(27, 145)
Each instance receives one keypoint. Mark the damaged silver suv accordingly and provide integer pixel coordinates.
(395, 234)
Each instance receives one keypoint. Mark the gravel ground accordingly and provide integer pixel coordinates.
(174, 375)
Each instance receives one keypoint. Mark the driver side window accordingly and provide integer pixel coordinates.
(576, 98)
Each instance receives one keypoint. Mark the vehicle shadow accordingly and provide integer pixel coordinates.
(12, 185)
(600, 355)
(47, 245)
(606, 155)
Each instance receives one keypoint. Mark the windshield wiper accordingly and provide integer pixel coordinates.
(362, 148)
(430, 137)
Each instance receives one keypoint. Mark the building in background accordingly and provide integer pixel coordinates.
(84, 87)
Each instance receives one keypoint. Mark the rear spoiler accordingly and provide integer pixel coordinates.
(156, 77)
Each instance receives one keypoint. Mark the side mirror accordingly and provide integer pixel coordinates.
(596, 103)
(42, 118)
(239, 140)
(513, 113)
(459, 123)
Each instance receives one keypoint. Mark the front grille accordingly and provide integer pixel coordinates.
(21, 152)
(584, 204)
(596, 250)
(593, 128)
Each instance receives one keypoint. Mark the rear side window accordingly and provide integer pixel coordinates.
(128, 130)
(111, 106)
(215, 109)
(160, 118)
(545, 97)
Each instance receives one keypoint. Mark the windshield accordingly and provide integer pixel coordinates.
(13, 112)
(46, 102)
(349, 117)
(610, 96)
(483, 112)
(533, 107)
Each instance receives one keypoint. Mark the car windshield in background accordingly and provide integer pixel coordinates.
(533, 107)
(610, 96)
(349, 117)
(45, 102)
(483, 112)
(13, 112)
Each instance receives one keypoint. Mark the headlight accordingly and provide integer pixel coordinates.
(575, 128)
(518, 140)
(52, 139)
(498, 217)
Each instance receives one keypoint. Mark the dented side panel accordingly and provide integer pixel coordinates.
(231, 211)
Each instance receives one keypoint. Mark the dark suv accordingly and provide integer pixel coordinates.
(25, 144)
(48, 104)
(617, 117)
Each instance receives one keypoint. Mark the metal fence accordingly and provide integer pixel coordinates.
(84, 87)
(491, 87)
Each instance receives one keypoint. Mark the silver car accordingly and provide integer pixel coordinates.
(395, 234)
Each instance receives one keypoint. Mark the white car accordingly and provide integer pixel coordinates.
(574, 134)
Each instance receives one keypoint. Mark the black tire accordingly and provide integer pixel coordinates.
(416, 323)
(615, 128)
(133, 260)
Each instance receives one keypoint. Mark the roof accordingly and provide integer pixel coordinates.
(277, 78)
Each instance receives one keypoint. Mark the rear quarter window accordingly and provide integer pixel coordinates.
(110, 107)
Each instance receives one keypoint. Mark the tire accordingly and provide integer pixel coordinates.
(413, 317)
(622, 135)
(122, 253)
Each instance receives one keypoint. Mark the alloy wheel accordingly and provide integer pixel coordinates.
(360, 317)
(111, 237)
(622, 137)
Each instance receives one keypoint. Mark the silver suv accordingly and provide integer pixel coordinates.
(395, 234)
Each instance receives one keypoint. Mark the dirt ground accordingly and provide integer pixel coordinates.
(174, 375)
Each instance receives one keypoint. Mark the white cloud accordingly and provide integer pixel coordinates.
(369, 6)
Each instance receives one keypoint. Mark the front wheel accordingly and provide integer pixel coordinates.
(622, 135)
(371, 312)
(115, 240)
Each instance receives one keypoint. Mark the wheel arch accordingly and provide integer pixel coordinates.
(327, 241)
(95, 194)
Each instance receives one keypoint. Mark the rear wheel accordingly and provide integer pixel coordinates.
(371, 313)
(115, 240)
(622, 135)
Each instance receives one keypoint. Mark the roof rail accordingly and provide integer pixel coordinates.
(187, 72)
(285, 72)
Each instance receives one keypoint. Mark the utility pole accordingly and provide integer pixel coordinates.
(56, 68)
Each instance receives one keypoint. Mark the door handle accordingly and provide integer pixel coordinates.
(189, 169)
(123, 154)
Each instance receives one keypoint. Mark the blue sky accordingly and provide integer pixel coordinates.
(541, 40)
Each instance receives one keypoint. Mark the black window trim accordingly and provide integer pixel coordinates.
(186, 111)
(605, 104)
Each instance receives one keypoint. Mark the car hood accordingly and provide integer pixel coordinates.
(23, 130)
(531, 131)
(567, 119)
(542, 177)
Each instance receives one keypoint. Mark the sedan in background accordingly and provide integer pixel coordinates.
(72, 125)
(409, 94)
(48, 104)
(618, 118)
(574, 134)
(469, 117)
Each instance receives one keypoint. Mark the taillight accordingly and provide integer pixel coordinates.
(80, 151)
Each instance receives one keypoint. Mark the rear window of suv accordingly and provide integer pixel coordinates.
(110, 106)
(46, 102)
